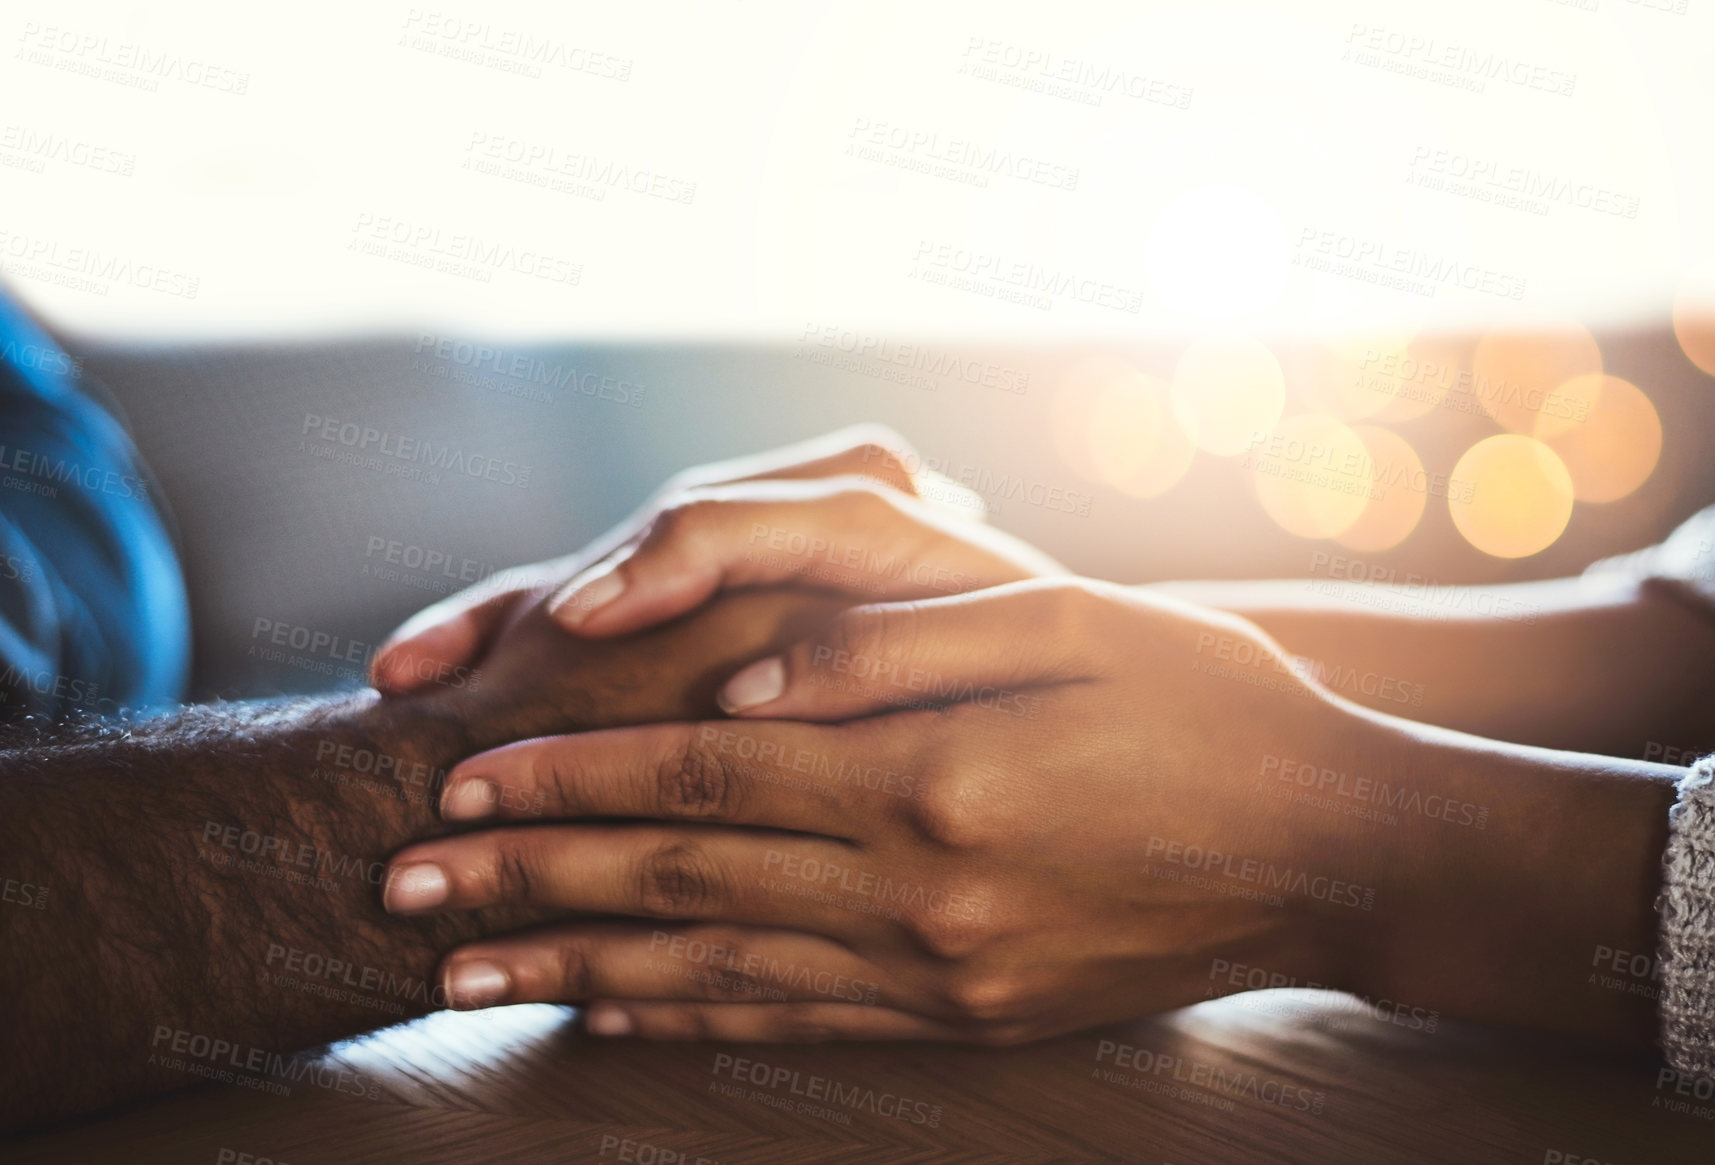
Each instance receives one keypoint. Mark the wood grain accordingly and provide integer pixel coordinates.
(1264, 1078)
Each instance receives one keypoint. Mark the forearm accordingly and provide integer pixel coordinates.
(214, 873)
(1595, 667)
(213, 878)
(1509, 878)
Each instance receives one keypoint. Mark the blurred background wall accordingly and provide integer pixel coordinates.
(304, 495)
(1330, 289)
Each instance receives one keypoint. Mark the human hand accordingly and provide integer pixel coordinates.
(535, 680)
(846, 535)
(993, 817)
(457, 632)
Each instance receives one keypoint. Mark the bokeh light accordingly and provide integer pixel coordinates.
(1514, 374)
(1339, 377)
(1694, 321)
(1615, 447)
(1075, 396)
(1135, 443)
(1510, 496)
(1312, 474)
(1398, 497)
(1227, 393)
(1418, 381)
(1385, 377)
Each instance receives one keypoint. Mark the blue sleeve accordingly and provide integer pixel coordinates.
(93, 613)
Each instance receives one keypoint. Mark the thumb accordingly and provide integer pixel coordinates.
(989, 648)
(449, 634)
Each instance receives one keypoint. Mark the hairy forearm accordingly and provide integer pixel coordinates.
(211, 883)
(1585, 666)
(213, 878)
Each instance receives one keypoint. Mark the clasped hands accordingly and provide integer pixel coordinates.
(946, 807)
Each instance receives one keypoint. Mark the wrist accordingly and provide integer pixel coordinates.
(1508, 871)
(392, 753)
(1327, 797)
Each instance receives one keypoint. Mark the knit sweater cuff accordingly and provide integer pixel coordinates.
(1687, 908)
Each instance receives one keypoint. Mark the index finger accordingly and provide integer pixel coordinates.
(837, 782)
(988, 647)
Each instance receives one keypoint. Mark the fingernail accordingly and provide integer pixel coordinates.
(759, 683)
(381, 667)
(418, 886)
(378, 665)
(478, 983)
(470, 799)
(583, 596)
(605, 1020)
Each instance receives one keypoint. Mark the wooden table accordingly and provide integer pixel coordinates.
(1271, 1077)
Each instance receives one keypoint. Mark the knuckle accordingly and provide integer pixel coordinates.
(696, 781)
(949, 933)
(1068, 618)
(678, 880)
(880, 453)
(872, 636)
(577, 980)
(1070, 606)
(872, 503)
(516, 870)
(876, 454)
(680, 516)
(955, 813)
(845, 633)
(874, 433)
(986, 996)
(552, 778)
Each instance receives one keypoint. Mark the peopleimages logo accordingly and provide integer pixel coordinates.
(757, 973)
(916, 357)
(40, 147)
(89, 268)
(366, 440)
(1489, 179)
(530, 369)
(481, 42)
(910, 147)
(540, 164)
(233, 1063)
(1244, 977)
(1415, 54)
(271, 639)
(1057, 75)
(989, 272)
(1375, 257)
(1266, 875)
(47, 468)
(869, 674)
(877, 887)
(456, 252)
(1372, 791)
(1177, 1069)
(825, 1089)
(134, 64)
(72, 690)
